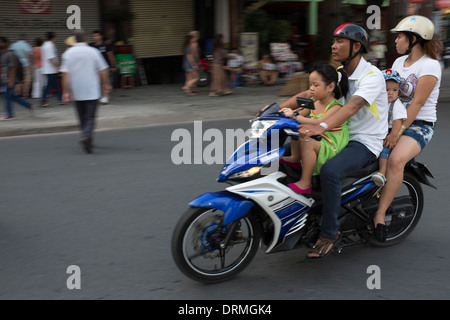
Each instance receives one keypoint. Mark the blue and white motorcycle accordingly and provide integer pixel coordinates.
(219, 235)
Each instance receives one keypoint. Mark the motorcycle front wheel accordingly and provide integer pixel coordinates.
(207, 251)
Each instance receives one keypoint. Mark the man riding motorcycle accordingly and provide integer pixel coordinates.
(367, 107)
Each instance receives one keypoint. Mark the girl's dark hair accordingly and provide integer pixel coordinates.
(330, 75)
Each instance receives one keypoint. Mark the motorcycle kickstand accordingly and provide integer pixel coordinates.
(340, 247)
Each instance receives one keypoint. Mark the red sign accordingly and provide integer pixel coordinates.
(35, 6)
(443, 4)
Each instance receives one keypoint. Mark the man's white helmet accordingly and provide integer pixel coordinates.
(419, 25)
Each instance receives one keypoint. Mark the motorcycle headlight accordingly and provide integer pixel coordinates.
(246, 173)
(259, 127)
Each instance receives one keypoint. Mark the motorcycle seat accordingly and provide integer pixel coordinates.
(358, 174)
(346, 182)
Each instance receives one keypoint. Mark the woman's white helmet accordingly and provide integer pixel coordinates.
(419, 25)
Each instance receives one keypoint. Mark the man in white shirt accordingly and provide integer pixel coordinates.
(50, 68)
(367, 109)
(84, 72)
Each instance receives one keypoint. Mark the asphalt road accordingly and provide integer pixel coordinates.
(112, 215)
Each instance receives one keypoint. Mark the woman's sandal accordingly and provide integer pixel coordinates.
(323, 247)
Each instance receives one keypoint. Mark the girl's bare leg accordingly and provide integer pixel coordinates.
(295, 156)
(309, 152)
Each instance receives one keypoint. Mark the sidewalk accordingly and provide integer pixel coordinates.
(155, 105)
(143, 106)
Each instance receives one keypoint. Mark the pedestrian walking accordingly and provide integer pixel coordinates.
(24, 52)
(108, 54)
(10, 76)
(38, 78)
(191, 62)
(50, 68)
(218, 74)
(84, 72)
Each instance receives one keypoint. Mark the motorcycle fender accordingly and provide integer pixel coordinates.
(420, 171)
(233, 206)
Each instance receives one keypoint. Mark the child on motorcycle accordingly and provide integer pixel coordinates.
(326, 86)
(397, 114)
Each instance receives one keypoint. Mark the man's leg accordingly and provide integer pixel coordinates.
(90, 114)
(79, 105)
(355, 156)
(20, 100)
(58, 87)
(8, 102)
(46, 90)
(84, 113)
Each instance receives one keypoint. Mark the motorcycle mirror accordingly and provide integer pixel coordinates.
(305, 103)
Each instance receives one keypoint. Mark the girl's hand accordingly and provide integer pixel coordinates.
(288, 112)
(390, 141)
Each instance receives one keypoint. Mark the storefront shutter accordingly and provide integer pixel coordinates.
(36, 18)
(160, 27)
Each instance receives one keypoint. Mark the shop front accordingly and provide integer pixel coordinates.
(33, 19)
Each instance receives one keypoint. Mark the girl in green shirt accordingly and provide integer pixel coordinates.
(326, 86)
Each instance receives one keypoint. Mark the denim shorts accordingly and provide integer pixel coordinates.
(421, 131)
(385, 153)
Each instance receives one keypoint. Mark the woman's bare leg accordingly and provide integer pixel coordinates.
(406, 149)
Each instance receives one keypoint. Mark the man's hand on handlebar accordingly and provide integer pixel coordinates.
(310, 131)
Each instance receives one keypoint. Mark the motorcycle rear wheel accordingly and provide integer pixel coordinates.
(412, 188)
(200, 249)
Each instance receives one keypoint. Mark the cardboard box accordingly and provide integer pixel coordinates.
(298, 83)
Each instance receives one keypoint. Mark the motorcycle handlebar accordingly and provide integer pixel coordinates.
(295, 133)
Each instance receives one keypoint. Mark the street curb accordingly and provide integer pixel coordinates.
(133, 122)
(130, 122)
(136, 121)
(44, 130)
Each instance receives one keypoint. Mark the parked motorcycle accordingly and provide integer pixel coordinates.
(205, 71)
(220, 233)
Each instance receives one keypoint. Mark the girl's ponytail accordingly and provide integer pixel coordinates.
(342, 88)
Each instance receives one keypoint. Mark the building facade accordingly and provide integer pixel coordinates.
(33, 19)
(154, 30)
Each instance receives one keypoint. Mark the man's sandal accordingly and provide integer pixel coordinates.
(323, 247)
